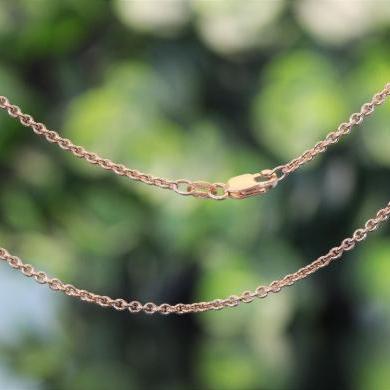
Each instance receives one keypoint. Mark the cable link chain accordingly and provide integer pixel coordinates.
(334, 136)
(238, 187)
(260, 292)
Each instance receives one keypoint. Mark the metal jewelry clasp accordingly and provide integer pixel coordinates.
(243, 186)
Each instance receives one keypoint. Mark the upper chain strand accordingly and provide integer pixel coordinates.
(238, 187)
(182, 308)
(334, 136)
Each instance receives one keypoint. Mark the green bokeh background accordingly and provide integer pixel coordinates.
(204, 90)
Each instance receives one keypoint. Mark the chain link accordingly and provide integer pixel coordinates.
(199, 189)
(334, 136)
(185, 187)
(217, 304)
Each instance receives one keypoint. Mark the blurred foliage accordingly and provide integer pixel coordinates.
(294, 82)
(205, 90)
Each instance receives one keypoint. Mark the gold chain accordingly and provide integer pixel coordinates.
(238, 187)
(197, 307)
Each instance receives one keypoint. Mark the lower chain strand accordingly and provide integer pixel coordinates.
(217, 304)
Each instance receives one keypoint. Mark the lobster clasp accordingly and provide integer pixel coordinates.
(243, 186)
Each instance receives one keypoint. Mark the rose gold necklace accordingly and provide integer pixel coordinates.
(237, 188)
